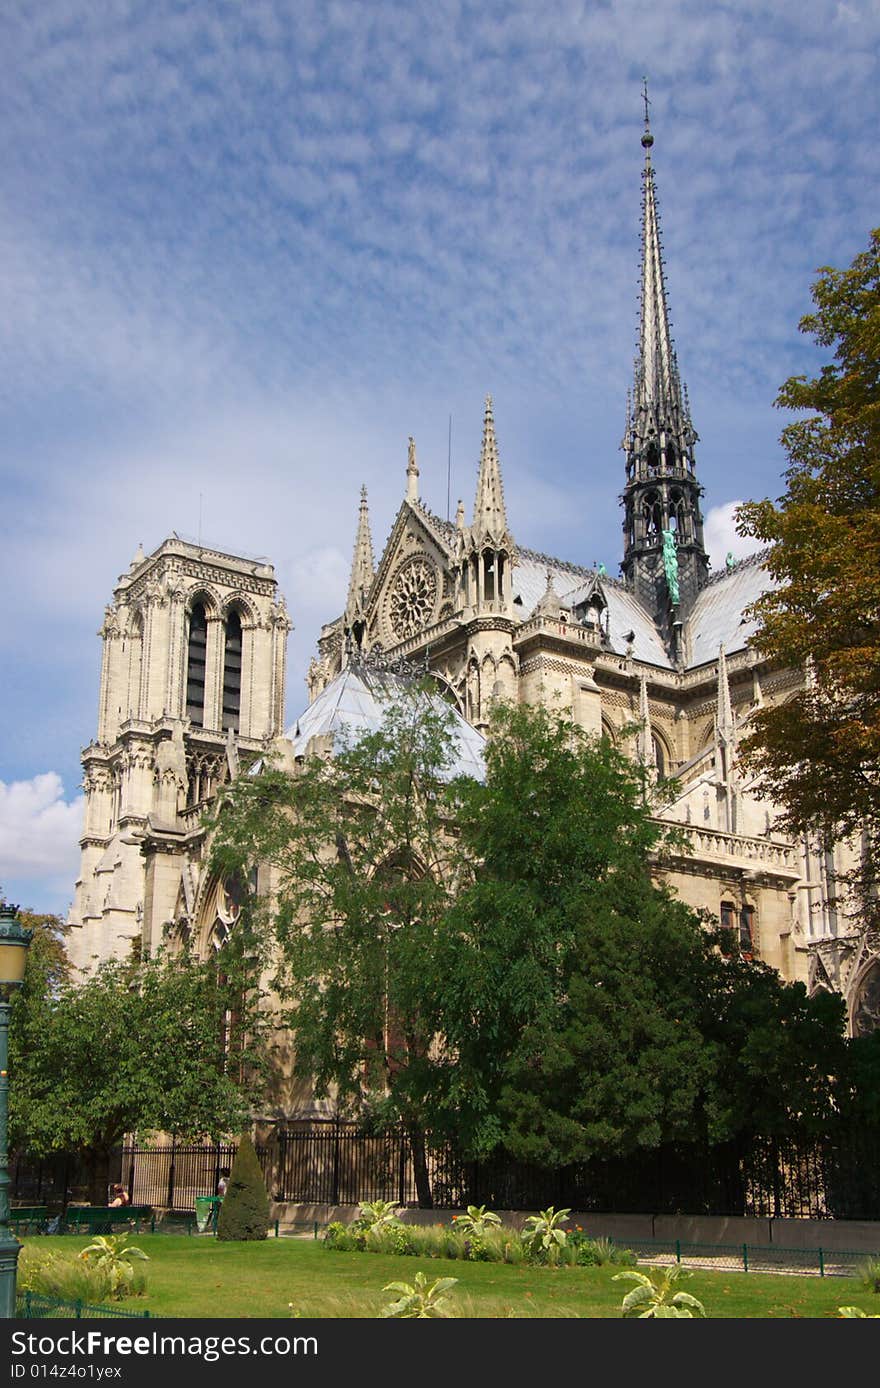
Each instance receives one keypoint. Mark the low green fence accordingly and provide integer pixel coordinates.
(746, 1257)
(33, 1306)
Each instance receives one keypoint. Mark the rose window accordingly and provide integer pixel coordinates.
(412, 598)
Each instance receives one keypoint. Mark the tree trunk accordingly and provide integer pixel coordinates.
(98, 1164)
(420, 1167)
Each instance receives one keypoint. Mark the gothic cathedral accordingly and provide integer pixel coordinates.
(192, 687)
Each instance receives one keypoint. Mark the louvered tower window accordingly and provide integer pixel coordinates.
(232, 672)
(195, 666)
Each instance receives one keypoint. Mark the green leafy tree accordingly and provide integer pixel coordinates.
(138, 1046)
(365, 868)
(818, 752)
(602, 1018)
(244, 1214)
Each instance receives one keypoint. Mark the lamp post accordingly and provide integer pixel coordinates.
(14, 941)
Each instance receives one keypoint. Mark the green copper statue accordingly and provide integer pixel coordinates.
(670, 564)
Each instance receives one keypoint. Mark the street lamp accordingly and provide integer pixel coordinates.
(14, 941)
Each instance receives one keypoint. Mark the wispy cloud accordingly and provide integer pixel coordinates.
(246, 250)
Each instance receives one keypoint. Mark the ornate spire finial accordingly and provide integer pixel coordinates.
(647, 137)
(412, 472)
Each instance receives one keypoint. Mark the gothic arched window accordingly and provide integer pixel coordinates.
(232, 672)
(652, 516)
(866, 1009)
(195, 665)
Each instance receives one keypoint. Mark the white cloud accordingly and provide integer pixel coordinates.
(39, 831)
(721, 539)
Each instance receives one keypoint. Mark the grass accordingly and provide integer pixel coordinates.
(200, 1278)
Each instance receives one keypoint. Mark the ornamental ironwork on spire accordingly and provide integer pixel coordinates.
(661, 496)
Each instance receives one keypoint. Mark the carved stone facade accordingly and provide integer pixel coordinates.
(192, 687)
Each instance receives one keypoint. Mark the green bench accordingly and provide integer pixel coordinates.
(100, 1219)
(28, 1219)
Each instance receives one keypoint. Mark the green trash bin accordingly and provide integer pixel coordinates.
(207, 1210)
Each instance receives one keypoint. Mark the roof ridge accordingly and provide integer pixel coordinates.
(746, 562)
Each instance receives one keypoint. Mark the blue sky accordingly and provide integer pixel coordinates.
(247, 249)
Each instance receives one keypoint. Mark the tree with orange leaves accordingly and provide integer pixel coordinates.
(818, 753)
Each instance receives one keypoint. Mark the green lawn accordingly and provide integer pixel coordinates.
(199, 1277)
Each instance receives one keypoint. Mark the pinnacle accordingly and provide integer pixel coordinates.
(363, 565)
(490, 517)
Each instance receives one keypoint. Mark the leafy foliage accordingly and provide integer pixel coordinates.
(420, 1301)
(140, 1045)
(818, 753)
(366, 869)
(377, 1214)
(244, 1214)
(657, 1298)
(113, 1259)
(543, 1234)
(477, 1220)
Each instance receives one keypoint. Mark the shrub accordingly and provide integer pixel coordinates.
(114, 1260)
(869, 1274)
(652, 1298)
(59, 1274)
(244, 1213)
(377, 1214)
(543, 1236)
(419, 1301)
(590, 1252)
(477, 1220)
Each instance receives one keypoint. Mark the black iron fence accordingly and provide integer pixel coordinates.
(333, 1163)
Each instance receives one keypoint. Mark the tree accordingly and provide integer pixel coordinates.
(818, 753)
(607, 1021)
(573, 960)
(365, 865)
(244, 1213)
(139, 1046)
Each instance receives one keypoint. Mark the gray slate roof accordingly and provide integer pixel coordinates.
(355, 701)
(717, 615)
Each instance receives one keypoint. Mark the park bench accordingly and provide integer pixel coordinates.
(28, 1219)
(100, 1219)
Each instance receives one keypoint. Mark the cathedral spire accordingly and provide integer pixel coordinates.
(363, 569)
(662, 492)
(490, 516)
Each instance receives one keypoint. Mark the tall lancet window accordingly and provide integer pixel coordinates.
(232, 672)
(195, 666)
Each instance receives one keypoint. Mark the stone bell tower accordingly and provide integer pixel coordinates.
(192, 685)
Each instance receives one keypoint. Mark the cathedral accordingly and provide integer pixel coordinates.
(657, 659)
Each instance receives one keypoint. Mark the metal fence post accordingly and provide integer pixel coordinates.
(678, 1250)
(745, 1258)
(171, 1178)
(821, 1263)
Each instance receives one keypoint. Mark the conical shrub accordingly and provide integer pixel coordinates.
(244, 1213)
